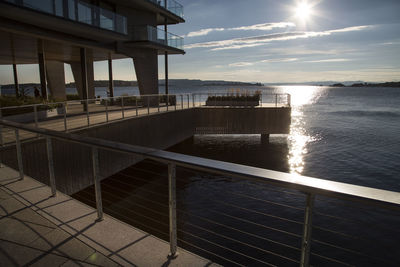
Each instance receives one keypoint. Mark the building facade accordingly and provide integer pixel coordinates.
(79, 32)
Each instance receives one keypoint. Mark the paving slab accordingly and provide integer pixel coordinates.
(39, 230)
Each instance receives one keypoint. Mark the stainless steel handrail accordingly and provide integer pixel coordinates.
(308, 185)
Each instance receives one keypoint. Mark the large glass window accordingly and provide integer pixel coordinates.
(71, 9)
(41, 5)
(107, 19)
(58, 5)
(84, 12)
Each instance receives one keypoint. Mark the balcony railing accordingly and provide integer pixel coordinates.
(290, 241)
(78, 11)
(172, 6)
(153, 34)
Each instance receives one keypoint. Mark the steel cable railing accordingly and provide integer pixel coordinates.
(244, 249)
(158, 181)
(227, 204)
(120, 192)
(73, 115)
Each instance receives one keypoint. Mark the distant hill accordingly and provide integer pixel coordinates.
(198, 83)
(386, 84)
(172, 82)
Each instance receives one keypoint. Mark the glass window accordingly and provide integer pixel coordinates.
(41, 5)
(58, 4)
(71, 9)
(106, 19)
(84, 12)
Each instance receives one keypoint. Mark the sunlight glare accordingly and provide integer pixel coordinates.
(298, 137)
(303, 10)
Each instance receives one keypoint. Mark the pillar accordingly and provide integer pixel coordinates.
(264, 139)
(42, 71)
(166, 54)
(16, 80)
(110, 78)
(84, 75)
(146, 67)
(56, 79)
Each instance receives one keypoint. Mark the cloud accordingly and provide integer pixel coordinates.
(264, 26)
(241, 64)
(204, 32)
(238, 43)
(260, 27)
(328, 60)
(273, 60)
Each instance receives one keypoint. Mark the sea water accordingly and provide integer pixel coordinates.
(349, 135)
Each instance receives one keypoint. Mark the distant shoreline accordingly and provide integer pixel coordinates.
(386, 84)
(201, 83)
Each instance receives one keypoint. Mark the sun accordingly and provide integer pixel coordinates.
(303, 10)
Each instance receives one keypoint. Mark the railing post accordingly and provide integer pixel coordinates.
(122, 107)
(289, 98)
(35, 115)
(97, 184)
(188, 101)
(175, 102)
(306, 243)
(87, 112)
(1, 137)
(158, 104)
(261, 99)
(193, 99)
(167, 102)
(172, 209)
(148, 105)
(19, 155)
(65, 115)
(182, 101)
(51, 166)
(106, 101)
(276, 100)
(137, 113)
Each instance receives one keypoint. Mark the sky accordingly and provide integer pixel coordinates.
(271, 41)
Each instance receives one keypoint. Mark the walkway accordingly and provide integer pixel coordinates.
(78, 119)
(39, 230)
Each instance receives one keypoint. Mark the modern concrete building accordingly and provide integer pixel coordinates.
(79, 32)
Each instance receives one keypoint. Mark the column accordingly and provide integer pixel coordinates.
(42, 70)
(16, 80)
(84, 73)
(166, 53)
(110, 77)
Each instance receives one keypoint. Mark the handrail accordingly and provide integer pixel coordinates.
(154, 34)
(89, 99)
(308, 185)
(171, 5)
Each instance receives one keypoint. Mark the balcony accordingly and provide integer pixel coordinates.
(171, 5)
(78, 11)
(153, 34)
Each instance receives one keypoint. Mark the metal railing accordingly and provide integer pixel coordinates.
(307, 188)
(172, 6)
(79, 11)
(77, 114)
(154, 34)
(242, 100)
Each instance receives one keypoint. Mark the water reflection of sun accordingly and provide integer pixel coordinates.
(299, 137)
